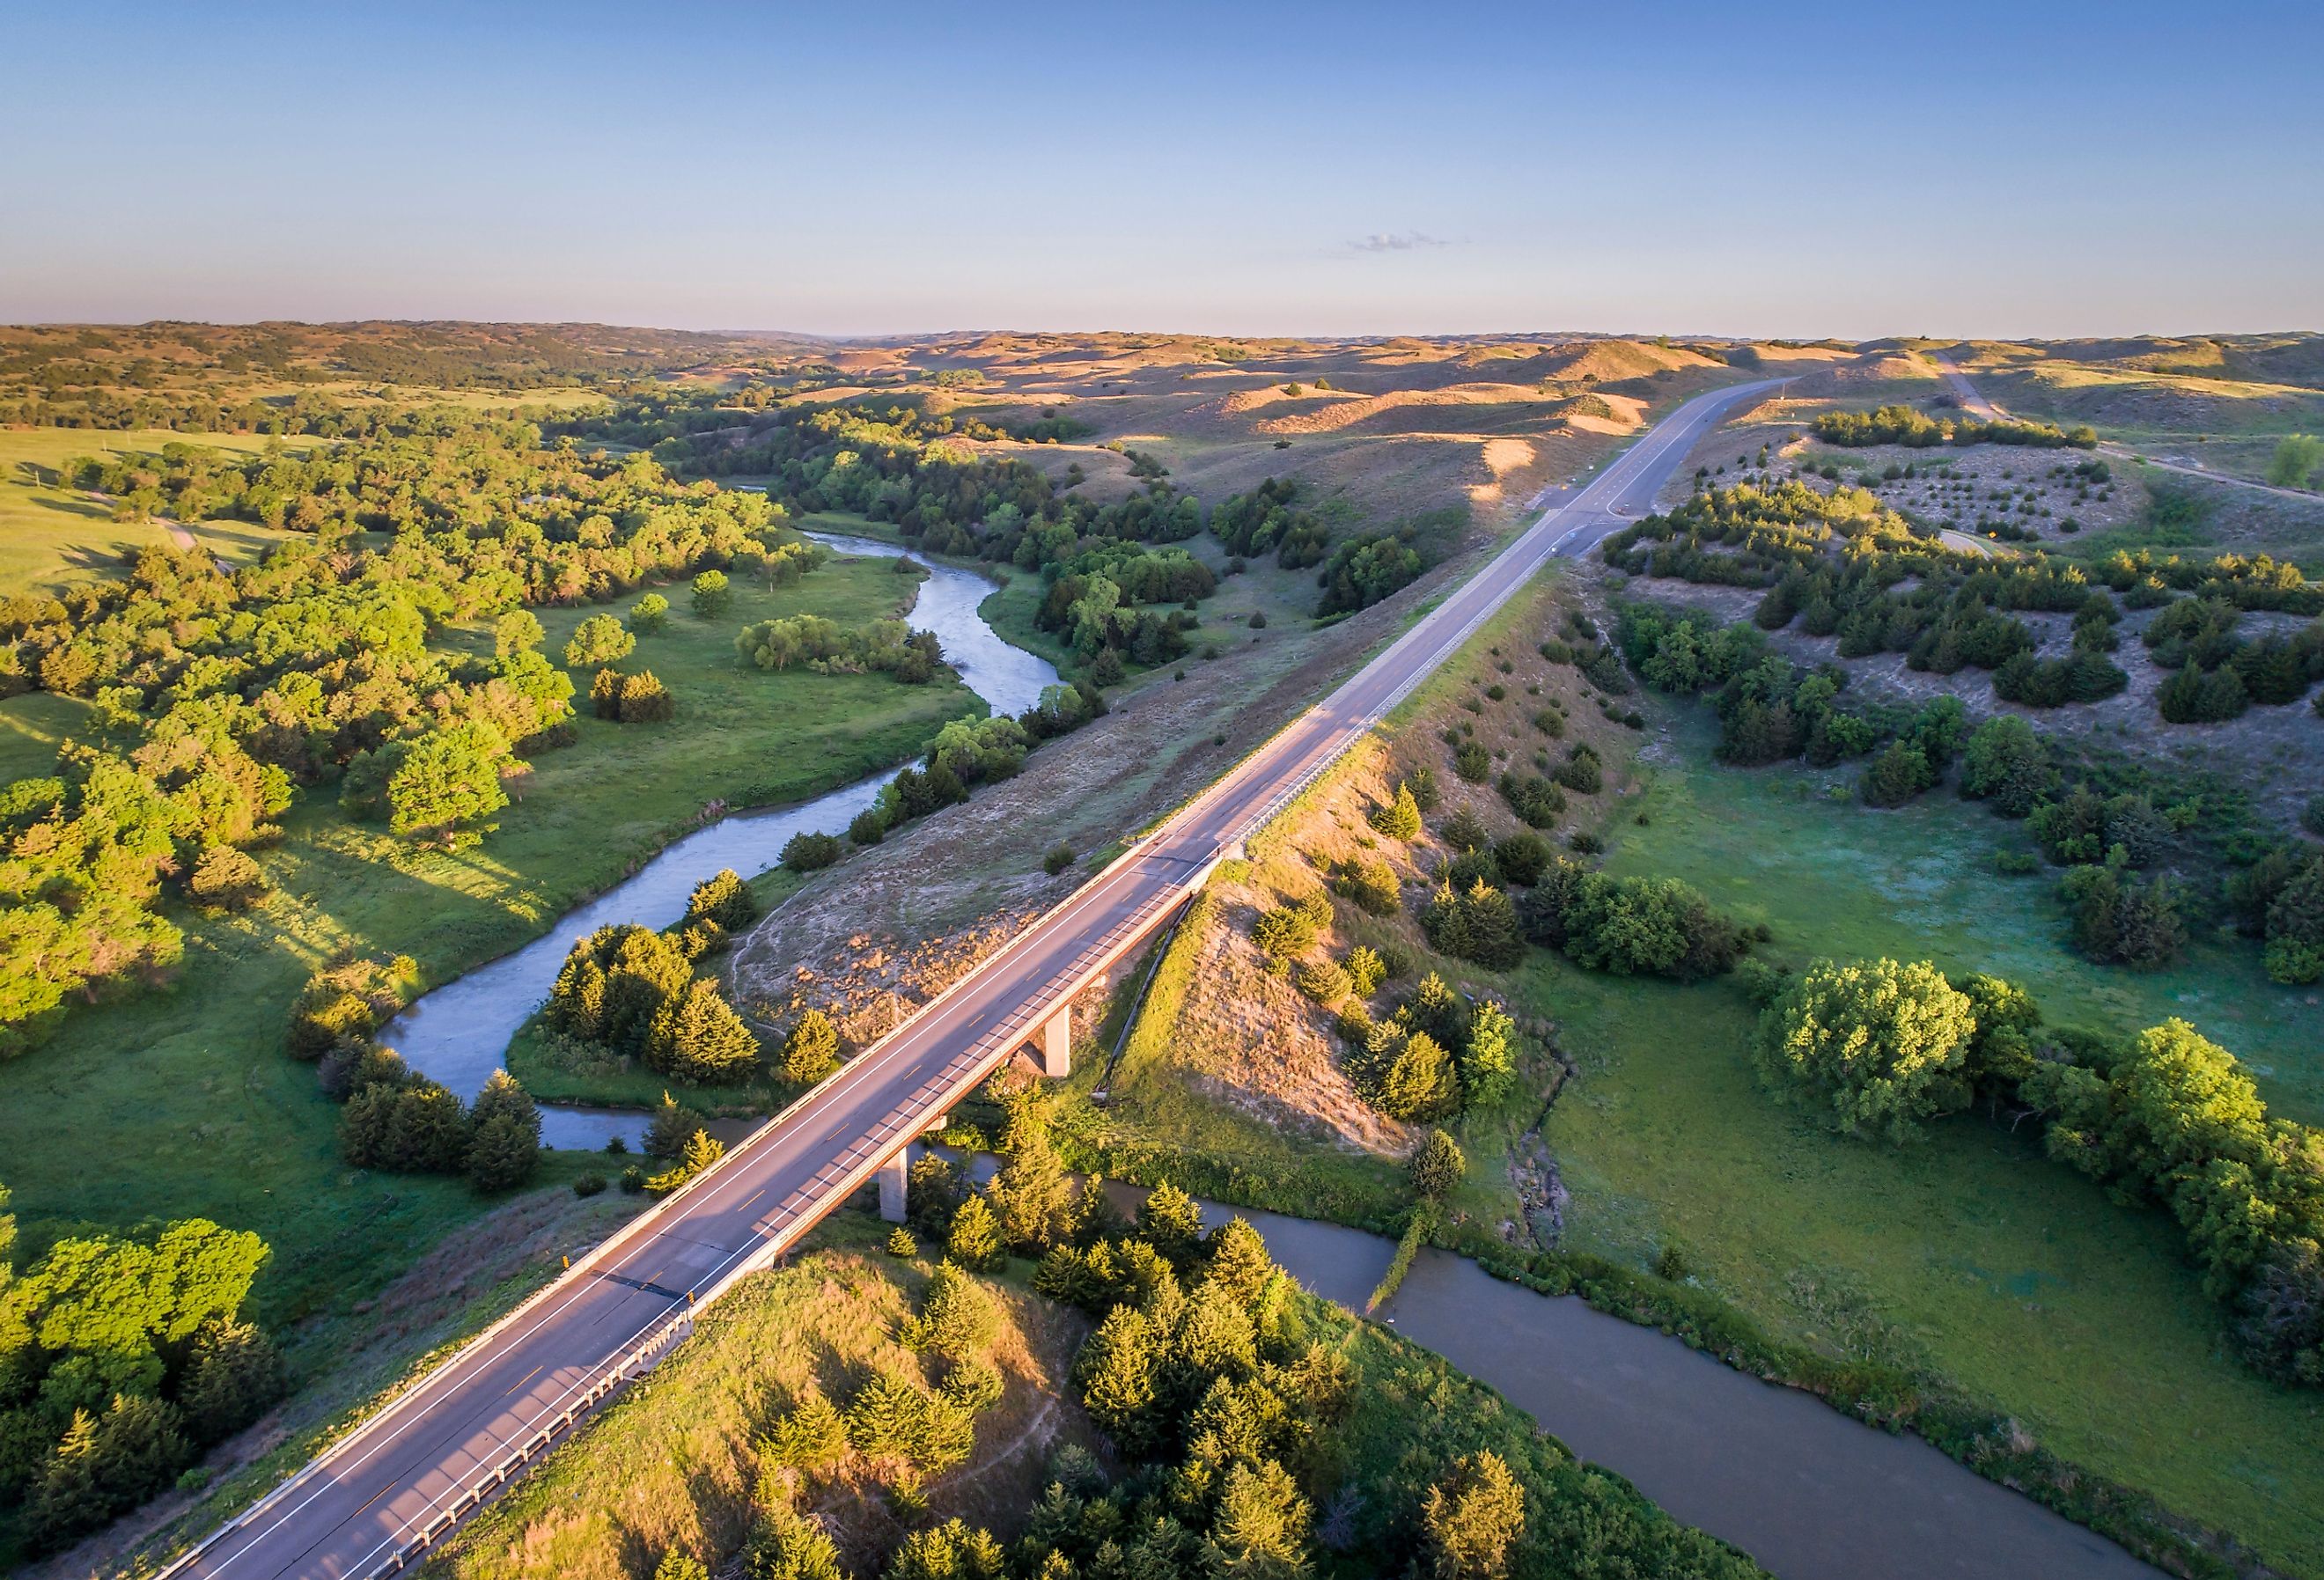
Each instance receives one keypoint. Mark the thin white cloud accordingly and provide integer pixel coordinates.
(1398, 242)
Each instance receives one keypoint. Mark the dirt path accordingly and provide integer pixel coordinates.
(1980, 405)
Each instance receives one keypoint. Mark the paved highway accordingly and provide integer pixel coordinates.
(407, 1473)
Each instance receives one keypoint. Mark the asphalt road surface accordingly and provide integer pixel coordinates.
(406, 1471)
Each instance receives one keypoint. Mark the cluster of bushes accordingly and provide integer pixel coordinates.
(963, 755)
(632, 700)
(1878, 1048)
(1093, 610)
(2278, 899)
(1903, 425)
(1435, 1054)
(634, 991)
(395, 1118)
(810, 642)
(2221, 674)
(1363, 570)
(1270, 517)
(1629, 927)
(121, 1359)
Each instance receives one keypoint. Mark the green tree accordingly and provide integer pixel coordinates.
(1472, 1519)
(2298, 461)
(1261, 1529)
(1420, 1082)
(672, 1124)
(786, 1545)
(504, 1135)
(698, 1036)
(974, 1241)
(712, 595)
(1896, 776)
(1488, 1059)
(677, 1564)
(1118, 1373)
(234, 1375)
(518, 631)
(1437, 1167)
(811, 1052)
(1873, 1047)
(951, 1551)
(1400, 818)
(2008, 765)
(1239, 1262)
(1171, 1222)
(598, 641)
(446, 777)
(649, 615)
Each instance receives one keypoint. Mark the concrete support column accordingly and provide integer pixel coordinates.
(895, 1174)
(1057, 1044)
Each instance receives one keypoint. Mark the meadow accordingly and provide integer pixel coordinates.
(226, 1126)
(51, 537)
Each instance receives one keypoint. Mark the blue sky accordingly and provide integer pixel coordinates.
(2028, 168)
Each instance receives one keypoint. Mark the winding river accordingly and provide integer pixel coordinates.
(1810, 1492)
(458, 1034)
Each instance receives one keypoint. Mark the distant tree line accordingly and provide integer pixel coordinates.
(1905, 426)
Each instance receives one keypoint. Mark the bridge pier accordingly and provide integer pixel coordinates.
(895, 1175)
(1056, 1044)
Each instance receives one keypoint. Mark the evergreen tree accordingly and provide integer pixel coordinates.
(712, 595)
(1400, 818)
(698, 1036)
(812, 1051)
(1261, 1529)
(234, 1374)
(1171, 1222)
(1420, 1082)
(1032, 1196)
(724, 899)
(504, 1135)
(950, 1551)
(1239, 1264)
(66, 1500)
(1472, 1519)
(1488, 1062)
(786, 1545)
(1117, 1372)
(672, 1124)
(1438, 1166)
(974, 1242)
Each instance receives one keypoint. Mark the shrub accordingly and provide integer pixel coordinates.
(1400, 818)
(2120, 920)
(1872, 1049)
(1324, 981)
(1059, 857)
(1479, 924)
(712, 595)
(1371, 883)
(226, 879)
(1522, 858)
(1365, 970)
(868, 827)
(1465, 831)
(808, 853)
(1437, 1167)
(1896, 776)
(598, 640)
(588, 1185)
(2006, 763)
(1285, 932)
(1472, 761)
(649, 615)
(1582, 773)
(811, 1052)
(1533, 799)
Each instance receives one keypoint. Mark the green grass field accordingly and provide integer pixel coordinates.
(225, 1125)
(1973, 1255)
(51, 537)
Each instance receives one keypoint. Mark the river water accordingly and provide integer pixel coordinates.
(458, 1034)
(1810, 1493)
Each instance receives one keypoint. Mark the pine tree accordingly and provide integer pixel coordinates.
(698, 1036)
(1488, 1062)
(234, 1374)
(1400, 820)
(724, 897)
(66, 1500)
(1420, 1082)
(673, 1123)
(1240, 1263)
(141, 1446)
(1117, 1373)
(1032, 1196)
(1171, 1222)
(786, 1545)
(1260, 1529)
(1472, 1519)
(974, 1242)
(1438, 1167)
(812, 1051)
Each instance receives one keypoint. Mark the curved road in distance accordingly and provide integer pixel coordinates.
(365, 1501)
(1979, 404)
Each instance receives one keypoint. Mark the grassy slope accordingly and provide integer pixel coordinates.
(230, 1128)
(672, 1462)
(1973, 1255)
(49, 537)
